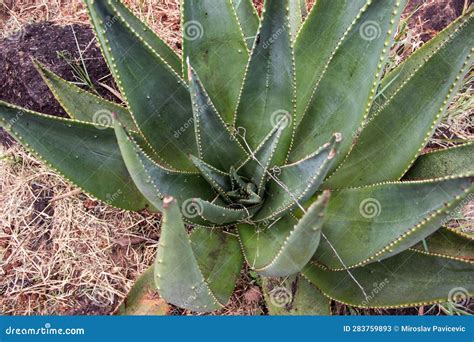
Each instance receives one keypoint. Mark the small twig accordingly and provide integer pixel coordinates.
(66, 195)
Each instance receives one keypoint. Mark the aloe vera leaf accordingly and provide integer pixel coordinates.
(248, 19)
(442, 163)
(156, 96)
(82, 105)
(149, 37)
(221, 215)
(395, 79)
(220, 260)
(386, 219)
(143, 298)
(342, 99)
(284, 247)
(219, 180)
(295, 17)
(448, 243)
(180, 276)
(214, 43)
(85, 154)
(257, 167)
(216, 144)
(294, 296)
(321, 35)
(407, 279)
(155, 181)
(408, 119)
(268, 91)
(292, 185)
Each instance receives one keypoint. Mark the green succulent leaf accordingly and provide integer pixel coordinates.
(156, 96)
(292, 185)
(268, 91)
(143, 299)
(220, 260)
(248, 19)
(395, 79)
(448, 243)
(285, 246)
(221, 215)
(386, 219)
(294, 296)
(197, 274)
(219, 180)
(82, 105)
(443, 162)
(407, 279)
(155, 181)
(216, 144)
(85, 154)
(215, 45)
(343, 96)
(322, 33)
(257, 167)
(408, 118)
(147, 34)
(295, 17)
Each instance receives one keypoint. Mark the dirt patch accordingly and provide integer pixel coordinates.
(60, 49)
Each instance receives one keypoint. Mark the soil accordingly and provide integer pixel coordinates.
(433, 16)
(22, 85)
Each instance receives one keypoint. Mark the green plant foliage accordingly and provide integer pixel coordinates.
(283, 143)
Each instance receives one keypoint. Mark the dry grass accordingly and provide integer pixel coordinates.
(78, 256)
(72, 255)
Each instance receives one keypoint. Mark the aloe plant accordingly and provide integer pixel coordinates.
(284, 142)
